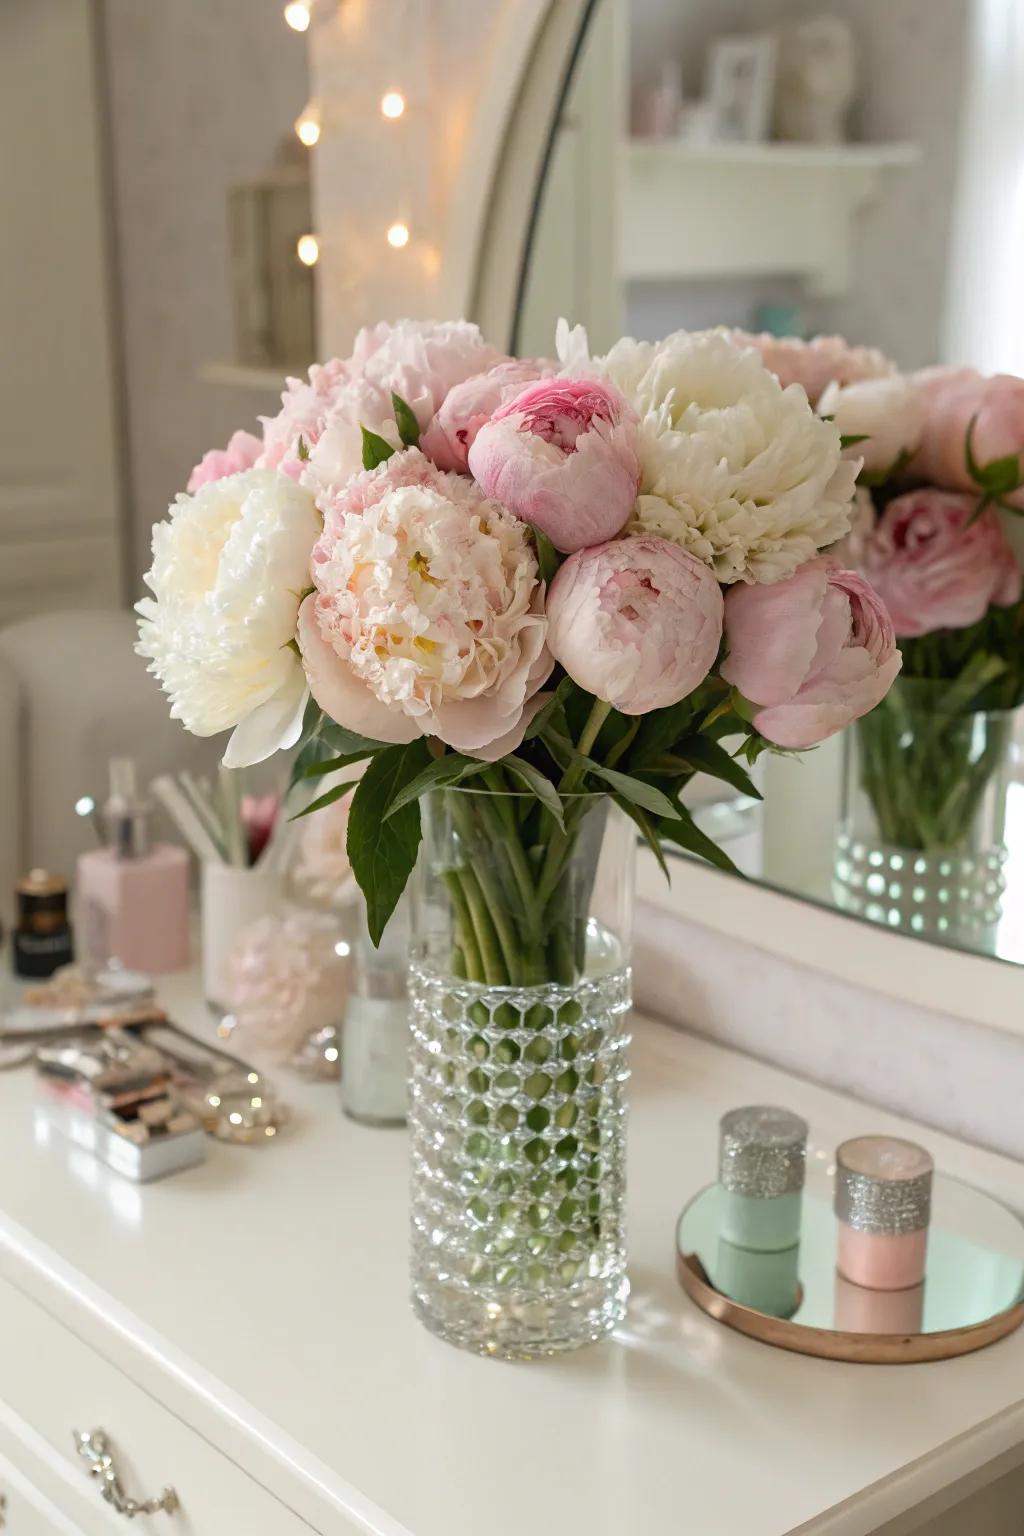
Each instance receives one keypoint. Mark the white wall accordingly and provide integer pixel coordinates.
(200, 93)
(912, 85)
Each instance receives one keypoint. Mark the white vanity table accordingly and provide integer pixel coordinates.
(241, 1332)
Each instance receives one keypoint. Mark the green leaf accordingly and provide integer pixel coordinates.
(376, 450)
(542, 719)
(998, 478)
(538, 783)
(450, 769)
(659, 731)
(317, 770)
(851, 439)
(743, 707)
(685, 833)
(635, 790)
(341, 740)
(303, 450)
(547, 554)
(326, 799)
(647, 828)
(382, 851)
(405, 420)
(707, 756)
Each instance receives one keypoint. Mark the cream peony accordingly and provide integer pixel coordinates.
(888, 413)
(428, 613)
(228, 569)
(733, 467)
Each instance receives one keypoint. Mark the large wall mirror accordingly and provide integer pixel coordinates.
(766, 167)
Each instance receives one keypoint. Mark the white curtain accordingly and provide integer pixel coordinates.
(985, 302)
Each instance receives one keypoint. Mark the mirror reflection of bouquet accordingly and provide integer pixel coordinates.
(940, 487)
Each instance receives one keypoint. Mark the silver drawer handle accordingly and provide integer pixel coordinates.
(94, 1449)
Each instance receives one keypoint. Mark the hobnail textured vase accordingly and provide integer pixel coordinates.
(921, 840)
(517, 1101)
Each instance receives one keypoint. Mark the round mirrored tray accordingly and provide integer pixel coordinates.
(972, 1295)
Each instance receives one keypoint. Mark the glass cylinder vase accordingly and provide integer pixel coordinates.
(520, 991)
(921, 841)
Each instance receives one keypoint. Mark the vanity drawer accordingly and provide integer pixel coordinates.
(51, 1383)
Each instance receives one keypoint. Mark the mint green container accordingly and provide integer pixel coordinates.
(762, 1163)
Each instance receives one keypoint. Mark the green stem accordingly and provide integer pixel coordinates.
(494, 966)
(623, 744)
(464, 926)
(494, 902)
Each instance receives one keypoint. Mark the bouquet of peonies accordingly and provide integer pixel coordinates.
(562, 577)
(557, 576)
(942, 475)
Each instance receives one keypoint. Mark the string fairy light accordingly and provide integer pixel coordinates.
(398, 236)
(392, 104)
(298, 14)
(308, 126)
(307, 248)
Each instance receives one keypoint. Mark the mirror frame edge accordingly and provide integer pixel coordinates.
(977, 988)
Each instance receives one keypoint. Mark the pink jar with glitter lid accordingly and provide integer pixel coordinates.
(883, 1195)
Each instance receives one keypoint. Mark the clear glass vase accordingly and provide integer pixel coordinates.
(520, 991)
(920, 844)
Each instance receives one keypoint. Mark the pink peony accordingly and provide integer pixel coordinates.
(470, 405)
(936, 569)
(563, 455)
(636, 622)
(305, 407)
(427, 617)
(420, 361)
(815, 651)
(241, 453)
(818, 363)
(417, 359)
(953, 398)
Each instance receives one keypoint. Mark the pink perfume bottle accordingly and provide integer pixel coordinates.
(132, 898)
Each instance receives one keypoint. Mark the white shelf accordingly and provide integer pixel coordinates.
(747, 210)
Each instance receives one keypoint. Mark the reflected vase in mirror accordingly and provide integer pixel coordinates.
(520, 987)
(921, 844)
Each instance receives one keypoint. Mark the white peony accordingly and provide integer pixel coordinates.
(733, 467)
(229, 568)
(888, 413)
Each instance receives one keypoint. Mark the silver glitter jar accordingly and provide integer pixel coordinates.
(762, 1162)
(883, 1197)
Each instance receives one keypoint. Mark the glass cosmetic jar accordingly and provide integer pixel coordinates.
(762, 1162)
(883, 1196)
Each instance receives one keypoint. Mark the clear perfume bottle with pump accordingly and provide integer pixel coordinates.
(132, 895)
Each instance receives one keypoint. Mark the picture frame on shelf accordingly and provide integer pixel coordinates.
(741, 86)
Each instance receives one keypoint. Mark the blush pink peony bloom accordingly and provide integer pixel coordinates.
(242, 452)
(818, 363)
(420, 361)
(428, 616)
(470, 405)
(305, 407)
(953, 398)
(636, 622)
(563, 455)
(815, 651)
(936, 569)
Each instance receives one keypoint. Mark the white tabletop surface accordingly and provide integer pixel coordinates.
(270, 1285)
